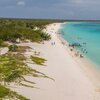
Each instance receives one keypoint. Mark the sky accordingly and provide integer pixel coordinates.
(51, 9)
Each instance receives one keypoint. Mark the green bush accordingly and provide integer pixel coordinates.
(3, 91)
(10, 30)
(13, 48)
(8, 94)
(1, 42)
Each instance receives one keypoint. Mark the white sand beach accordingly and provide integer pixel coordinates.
(71, 83)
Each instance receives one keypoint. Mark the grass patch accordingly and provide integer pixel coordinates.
(22, 49)
(13, 69)
(6, 93)
(16, 48)
(3, 91)
(3, 43)
(38, 60)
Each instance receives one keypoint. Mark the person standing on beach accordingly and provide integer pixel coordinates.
(54, 43)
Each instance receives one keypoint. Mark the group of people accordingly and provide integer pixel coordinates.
(77, 53)
(52, 43)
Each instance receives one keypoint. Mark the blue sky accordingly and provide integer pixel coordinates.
(53, 9)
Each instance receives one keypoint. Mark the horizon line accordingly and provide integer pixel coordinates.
(94, 20)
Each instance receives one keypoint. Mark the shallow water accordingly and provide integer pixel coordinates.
(87, 34)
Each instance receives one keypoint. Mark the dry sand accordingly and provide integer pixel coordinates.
(71, 83)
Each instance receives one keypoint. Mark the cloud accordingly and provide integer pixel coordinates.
(21, 3)
(66, 9)
(89, 2)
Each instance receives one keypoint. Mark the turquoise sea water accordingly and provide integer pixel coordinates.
(88, 35)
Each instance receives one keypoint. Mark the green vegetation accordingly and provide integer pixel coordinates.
(20, 49)
(2, 43)
(13, 48)
(13, 67)
(38, 60)
(7, 93)
(11, 29)
(3, 91)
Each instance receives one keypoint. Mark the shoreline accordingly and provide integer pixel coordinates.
(86, 64)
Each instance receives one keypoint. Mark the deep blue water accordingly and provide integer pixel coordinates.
(87, 34)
